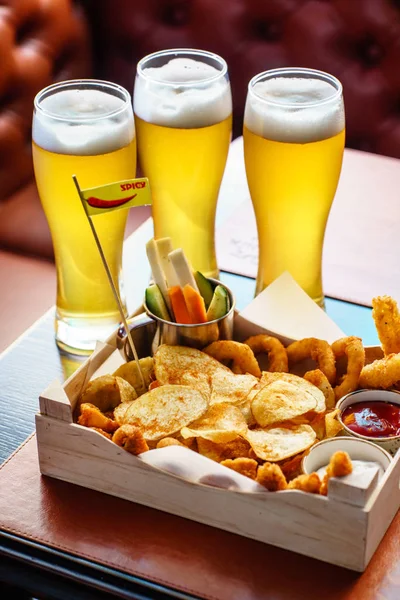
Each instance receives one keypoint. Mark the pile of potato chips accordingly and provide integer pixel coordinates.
(190, 398)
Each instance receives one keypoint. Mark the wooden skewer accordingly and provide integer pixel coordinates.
(110, 279)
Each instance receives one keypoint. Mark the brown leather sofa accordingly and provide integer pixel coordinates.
(42, 41)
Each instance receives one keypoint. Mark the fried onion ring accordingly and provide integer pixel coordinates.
(318, 350)
(241, 354)
(277, 357)
(320, 380)
(386, 315)
(352, 347)
(383, 373)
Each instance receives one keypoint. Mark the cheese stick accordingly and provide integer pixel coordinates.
(156, 269)
(164, 247)
(182, 269)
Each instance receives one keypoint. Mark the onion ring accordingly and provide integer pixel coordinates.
(240, 353)
(318, 350)
(352, 347)
(319, 379)
(277, 357)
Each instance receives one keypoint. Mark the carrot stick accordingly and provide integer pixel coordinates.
(195, 305)
(178, 303)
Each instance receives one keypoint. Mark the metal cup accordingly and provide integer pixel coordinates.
(156, 331)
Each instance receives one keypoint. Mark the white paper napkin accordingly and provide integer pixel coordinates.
(285, 309)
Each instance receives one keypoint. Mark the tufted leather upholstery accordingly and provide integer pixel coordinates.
(356, 40)
(40, 42)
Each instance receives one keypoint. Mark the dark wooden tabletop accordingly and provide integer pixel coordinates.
(27, 367)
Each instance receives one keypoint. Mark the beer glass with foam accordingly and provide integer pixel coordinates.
(183, 115)
(294, 134)
(83, 128)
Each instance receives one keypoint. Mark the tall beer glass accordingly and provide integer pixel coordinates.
(294, 134)
(85, 128)
(183, 115)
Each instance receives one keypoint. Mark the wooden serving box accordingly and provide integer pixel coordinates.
(335, 529)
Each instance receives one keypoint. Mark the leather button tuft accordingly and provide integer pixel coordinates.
(268, 31)
(370, 52)
(26, 31)
(176, 14)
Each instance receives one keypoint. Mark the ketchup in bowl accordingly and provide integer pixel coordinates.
(374, 419)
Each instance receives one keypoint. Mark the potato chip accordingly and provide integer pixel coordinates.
(221, 423)
(130, 372)
(171, 362)
(188, 366)
(107, 391)
(268, 378)
(165, 410)
(120, 410)
(228, 387)
(280, 401)
(218, 452)
(280, 442)
(245, 409)
(185, 366)
(332, 425)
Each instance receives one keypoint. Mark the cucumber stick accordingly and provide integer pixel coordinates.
(205, 287)
(156, 304)
(219, 305)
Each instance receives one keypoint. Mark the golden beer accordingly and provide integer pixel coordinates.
(183, 115)
(104, 151)
(293, 143)
(185, 168)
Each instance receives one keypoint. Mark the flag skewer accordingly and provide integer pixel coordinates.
(110, 279)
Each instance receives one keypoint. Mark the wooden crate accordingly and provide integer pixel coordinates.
(330, 528)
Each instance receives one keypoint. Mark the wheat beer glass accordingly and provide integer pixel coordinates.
(183, 115)
(83, 128)
(294, 133)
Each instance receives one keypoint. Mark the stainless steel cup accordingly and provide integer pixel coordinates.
(157, 331)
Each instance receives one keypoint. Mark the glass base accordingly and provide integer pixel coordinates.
(78, 336)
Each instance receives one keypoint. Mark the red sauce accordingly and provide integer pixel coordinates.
(373, 419)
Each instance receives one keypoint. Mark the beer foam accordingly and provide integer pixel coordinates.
(162, 96)
(83, 122)
(296, 110)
